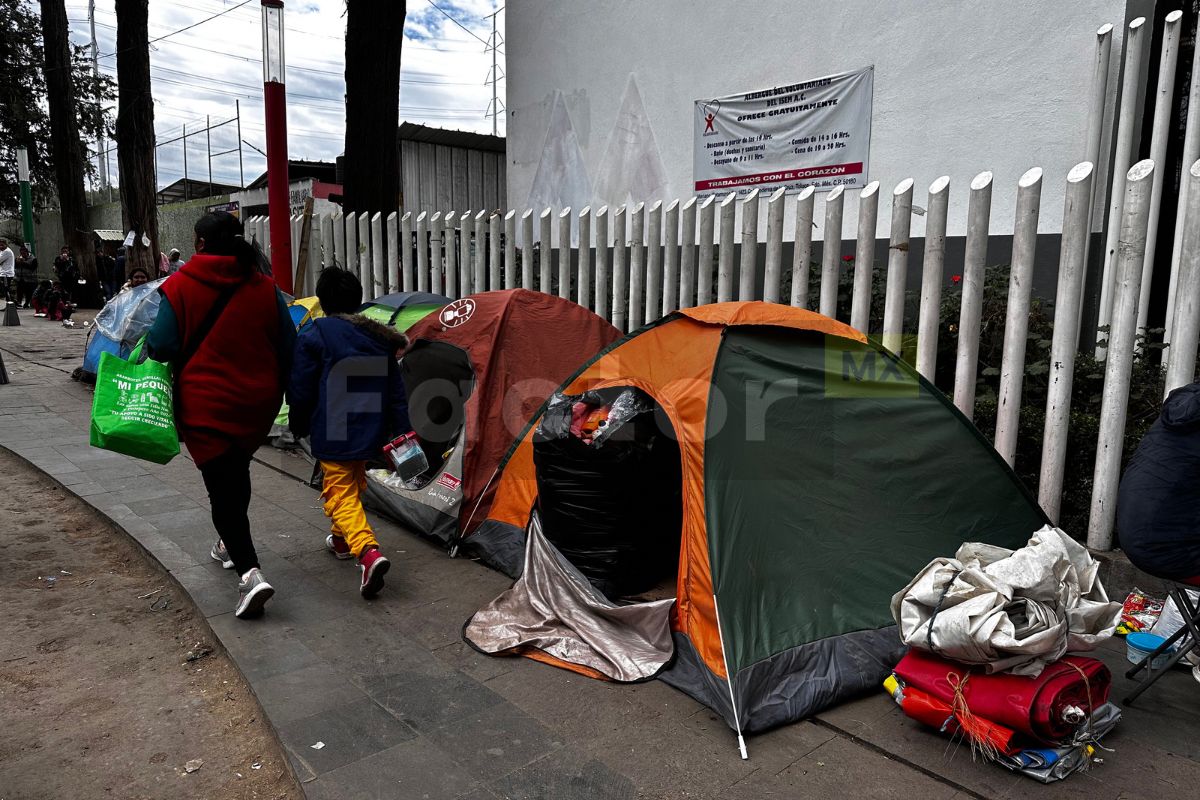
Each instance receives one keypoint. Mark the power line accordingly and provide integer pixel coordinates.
(456, 22)
(187, 28)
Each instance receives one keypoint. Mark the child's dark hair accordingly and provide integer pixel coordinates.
(339, 291)
(222, 235)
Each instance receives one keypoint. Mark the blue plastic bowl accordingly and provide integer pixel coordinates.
(1140, 645)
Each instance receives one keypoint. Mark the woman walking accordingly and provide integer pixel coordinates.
(226, 329)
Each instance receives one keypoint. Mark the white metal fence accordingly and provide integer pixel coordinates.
(636, 263)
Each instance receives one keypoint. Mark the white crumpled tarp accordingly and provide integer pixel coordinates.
(1011, 610)
(128, 315)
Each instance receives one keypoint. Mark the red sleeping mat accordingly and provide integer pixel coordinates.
(1029, 705)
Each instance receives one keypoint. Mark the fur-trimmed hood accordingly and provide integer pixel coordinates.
(384, 333)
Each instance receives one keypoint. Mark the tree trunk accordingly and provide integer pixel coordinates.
(66, 145)
(135, 136)
(374, 31)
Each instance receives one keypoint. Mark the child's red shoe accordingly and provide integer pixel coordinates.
(374, 566)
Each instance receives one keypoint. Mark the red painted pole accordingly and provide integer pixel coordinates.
(275, 106)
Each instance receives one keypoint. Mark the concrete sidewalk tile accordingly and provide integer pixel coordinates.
(304, 692)
(302, 609)
(169, 555)
(86, 489)
(566, 774)
(350, 732)
(75, 479)
(415, 769)
(470, 661)
(367, 653)
(168, 519)
(131, 488)
(161, 505)
(429, 697)
(494, 742)
(261, 649)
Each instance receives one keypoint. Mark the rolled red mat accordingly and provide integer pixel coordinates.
(925, 708)
(1033, 706)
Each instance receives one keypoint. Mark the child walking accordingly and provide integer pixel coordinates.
(346, 393)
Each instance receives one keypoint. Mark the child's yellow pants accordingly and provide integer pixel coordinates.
(345, 481)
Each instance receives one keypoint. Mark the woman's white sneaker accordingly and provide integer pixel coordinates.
(253, 594)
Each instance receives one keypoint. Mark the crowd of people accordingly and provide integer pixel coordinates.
(55, 298)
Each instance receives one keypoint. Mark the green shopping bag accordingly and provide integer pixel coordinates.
(133, 409)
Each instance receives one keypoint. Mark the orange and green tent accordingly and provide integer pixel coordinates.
(820, 473)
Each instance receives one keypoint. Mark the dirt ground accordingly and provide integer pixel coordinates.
(100, 696)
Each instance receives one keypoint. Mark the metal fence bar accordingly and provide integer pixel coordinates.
(423, 252)
(1191, 152)
(338, 224)
(864, 257)
(725, 251)
(545, 251)
(393, 251)
(802, 256)
(932, 271)
(687, 255)
(1181, 368)
(600, 300)
(654, 261)
(450, 221)
(637, 255)
(749, 247)
(1097, 119)
(510, 249)
(527, 249)
(897, 272)
(465, 262)
(495, 241)
(351, 243)
(670, 282)
(1158, 152)
(1127, 269)
(620, 271)
(1127, 127)
(378, 257)
(1016, 325)
(479, 280)
(406, 252)
(364, 252)
(704, 256)
(435, 253)
(1072, 264)
(583, 272)
(774, 254)
(564, 253)
(831, 251)
(979, 211)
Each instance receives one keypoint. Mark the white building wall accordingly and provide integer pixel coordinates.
(960, 87)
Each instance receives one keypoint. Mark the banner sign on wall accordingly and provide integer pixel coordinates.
(816, 133)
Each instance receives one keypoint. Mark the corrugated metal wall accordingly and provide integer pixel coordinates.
(437, 177)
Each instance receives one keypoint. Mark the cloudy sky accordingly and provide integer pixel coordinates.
(203, 71)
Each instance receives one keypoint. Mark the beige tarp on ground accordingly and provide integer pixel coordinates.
(554, 608)
(1014, 610)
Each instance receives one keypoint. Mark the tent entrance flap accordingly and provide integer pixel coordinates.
(610, 489)
(439, 380)
(554, 614)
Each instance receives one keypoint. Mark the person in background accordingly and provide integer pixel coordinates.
(348, 425)
(58, 306)
(119, 277)
(164, 265)
(174, 262)
(106, 268)
(8, 269)
(67, 271)
(39, 298)
(27, 269)
(137, 277)
(226, 329)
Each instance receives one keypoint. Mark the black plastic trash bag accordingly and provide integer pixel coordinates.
(610, 488)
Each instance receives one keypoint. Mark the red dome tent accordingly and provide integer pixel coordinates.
(475, 373)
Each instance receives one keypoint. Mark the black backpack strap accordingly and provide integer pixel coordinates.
(202, 332)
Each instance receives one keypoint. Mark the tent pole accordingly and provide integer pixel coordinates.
(729, 680)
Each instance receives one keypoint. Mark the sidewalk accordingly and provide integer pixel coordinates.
(405, 709)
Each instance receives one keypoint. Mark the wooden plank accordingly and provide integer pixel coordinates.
(428, 166)
(475, 180)
(443, 176)
(458, 176)
(410, 176)
(491, 197)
